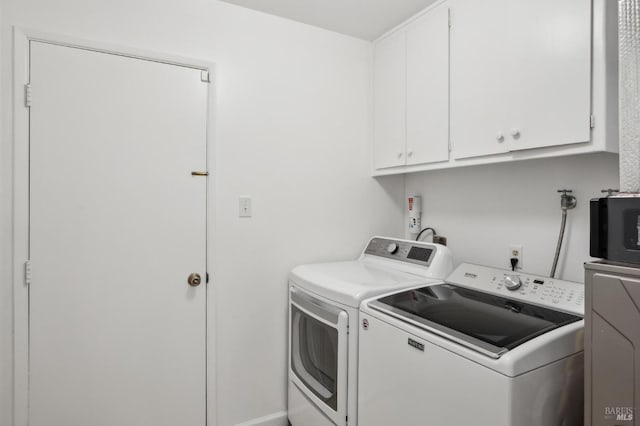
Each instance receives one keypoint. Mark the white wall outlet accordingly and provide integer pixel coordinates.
(244, 206)
(515, 251)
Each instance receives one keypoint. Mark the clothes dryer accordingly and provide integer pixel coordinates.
(323, 322)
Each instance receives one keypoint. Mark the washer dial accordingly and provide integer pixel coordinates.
(512, 282)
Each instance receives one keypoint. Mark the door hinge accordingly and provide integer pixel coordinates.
(27, 95)
(592, 121)
(27, 272)
(207, 278)
(204, 76)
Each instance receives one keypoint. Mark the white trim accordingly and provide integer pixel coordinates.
(212, 396)
(112, 48)
(20, 229)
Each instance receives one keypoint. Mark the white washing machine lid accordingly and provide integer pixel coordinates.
(474, 308)
(350, 282)
(545, 349)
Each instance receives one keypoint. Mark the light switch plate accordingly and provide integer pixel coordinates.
(244, 206)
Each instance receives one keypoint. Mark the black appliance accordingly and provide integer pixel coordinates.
(615, 228)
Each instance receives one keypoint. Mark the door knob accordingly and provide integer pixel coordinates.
(194, 280)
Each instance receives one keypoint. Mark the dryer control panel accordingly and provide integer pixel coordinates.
(415, 252)
(551, 292)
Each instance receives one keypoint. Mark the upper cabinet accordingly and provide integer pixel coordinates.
(411, 93)
(520, 75)
(482, 81)
(390, 101)
(479, 66)
(428, 87)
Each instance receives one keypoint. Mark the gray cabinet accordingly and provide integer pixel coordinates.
(612, 344)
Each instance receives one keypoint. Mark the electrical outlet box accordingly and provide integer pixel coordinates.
(515, 251)
(439, 239)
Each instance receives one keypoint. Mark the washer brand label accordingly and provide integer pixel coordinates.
(470, 275)
(415, 344)
(365, 324)
(624, 414)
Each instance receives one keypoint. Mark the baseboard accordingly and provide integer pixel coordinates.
(275, 419)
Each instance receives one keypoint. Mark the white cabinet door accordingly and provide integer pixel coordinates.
(117, 223)
(428, 88)
(549, 63)
(479, 67)
(520, 75)
(389, 115)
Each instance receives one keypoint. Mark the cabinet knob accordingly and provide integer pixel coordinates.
(399, 155)
(409, 154)
(500, 137)
(515, 133)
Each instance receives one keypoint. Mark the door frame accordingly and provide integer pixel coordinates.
(20, 191)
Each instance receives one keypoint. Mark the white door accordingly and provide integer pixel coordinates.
(549, 72)
(318, 362)
(478, 74)
(428, 87)
(389, 101)
(117, 224)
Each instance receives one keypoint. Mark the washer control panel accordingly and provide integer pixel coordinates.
(407, 251)
(550, 292)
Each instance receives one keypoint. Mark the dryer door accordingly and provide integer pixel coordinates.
(319, 353)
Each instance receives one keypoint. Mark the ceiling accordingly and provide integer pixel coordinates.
(366, 19)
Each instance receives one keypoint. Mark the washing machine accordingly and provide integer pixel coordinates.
(324, 301)
(486, 348)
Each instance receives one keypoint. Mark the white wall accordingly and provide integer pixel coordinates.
(484, 209)
(291, 130)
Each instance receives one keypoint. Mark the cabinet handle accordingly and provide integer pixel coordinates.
(515, 133)
(500, 137)
(409, 154)
(399, 155)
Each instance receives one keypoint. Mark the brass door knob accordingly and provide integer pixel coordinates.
(194, 280)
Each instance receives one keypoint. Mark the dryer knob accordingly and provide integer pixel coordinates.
(512, 282)
(392, 248)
